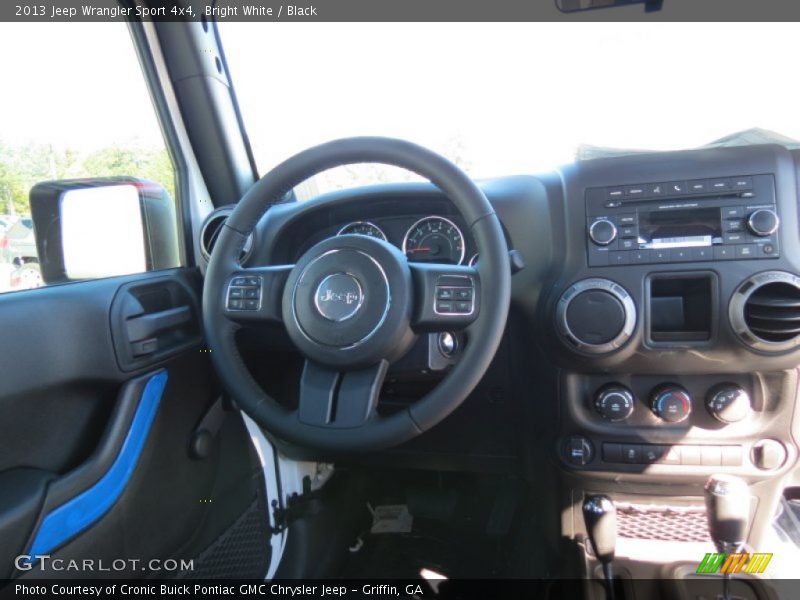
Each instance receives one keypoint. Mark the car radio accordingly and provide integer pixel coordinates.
(726, 218)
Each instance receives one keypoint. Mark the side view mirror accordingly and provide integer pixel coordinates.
(92, 228)
(576, 5)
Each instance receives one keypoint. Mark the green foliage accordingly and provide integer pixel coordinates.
(23, 166)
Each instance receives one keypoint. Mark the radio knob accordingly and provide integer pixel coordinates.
(763, 222)
(614, 402)
(672, 403)
(728, 403)
(603, 232)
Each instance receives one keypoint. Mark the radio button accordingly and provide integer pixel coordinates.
(618, 258)
(734, 238)
(676, 187)
(659, 256)
(640, 256)
(742, 183)
(724, 252)
(733, 212)
(615, 193)
(629, 231)
(746, 251)
(733, 226)
(719, 185)
(702, 253)
(680, 254)
(628, 244)
(656, 189)
(763, 222)
(634, 191)
(602, 232)
(626, 220)
(699, 186)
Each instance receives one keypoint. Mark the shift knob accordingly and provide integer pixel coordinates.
(600, 517)
(728, 511)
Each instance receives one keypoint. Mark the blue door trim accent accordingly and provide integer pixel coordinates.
(85, 509)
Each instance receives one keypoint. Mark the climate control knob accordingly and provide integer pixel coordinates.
(671, 403)
(614, 402)
(728, 403)
(763, 221)
(602, 232)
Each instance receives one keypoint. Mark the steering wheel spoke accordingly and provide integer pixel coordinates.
(254, 294)
(446, 297)
(330, 398)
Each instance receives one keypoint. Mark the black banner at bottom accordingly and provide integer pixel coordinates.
(673, 589)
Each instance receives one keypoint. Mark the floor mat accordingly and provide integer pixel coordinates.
(461, 530)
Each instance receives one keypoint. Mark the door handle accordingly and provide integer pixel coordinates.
(146, 326)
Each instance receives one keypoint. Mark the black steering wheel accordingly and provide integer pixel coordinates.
(353, 304)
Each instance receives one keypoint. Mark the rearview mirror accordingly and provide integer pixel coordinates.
(92, 228)
(576, 5)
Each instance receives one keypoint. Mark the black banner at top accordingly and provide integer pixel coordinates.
(396, 10)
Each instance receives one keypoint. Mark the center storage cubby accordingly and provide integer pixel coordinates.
(681, 307)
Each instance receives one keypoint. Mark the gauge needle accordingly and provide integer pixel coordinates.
(422, 249)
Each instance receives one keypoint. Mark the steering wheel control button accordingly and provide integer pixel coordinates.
(339, 297)
(578, 451)
(728, 403)
(595, 316)
(763, 222)
(614, 403)
(454, 299)
(244, 293)
(672, 403)
(602, 232)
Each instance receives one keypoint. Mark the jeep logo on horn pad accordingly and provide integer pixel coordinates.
(339, 297)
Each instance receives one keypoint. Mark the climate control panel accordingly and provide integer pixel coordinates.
(671, 403)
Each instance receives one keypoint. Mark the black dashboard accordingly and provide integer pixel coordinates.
(651, 283)
(654, 331)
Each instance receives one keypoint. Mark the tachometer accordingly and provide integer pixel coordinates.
(363, 228)
(434, 239)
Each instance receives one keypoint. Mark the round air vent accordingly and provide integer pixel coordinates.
(765, 311)
(211, 229)
(595, 316)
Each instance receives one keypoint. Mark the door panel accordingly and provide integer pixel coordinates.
(95, 461)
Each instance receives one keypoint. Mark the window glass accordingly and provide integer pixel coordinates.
(77, 107)
(511, 98)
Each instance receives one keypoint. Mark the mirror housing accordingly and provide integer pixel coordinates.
(578, 5)
(92, 228)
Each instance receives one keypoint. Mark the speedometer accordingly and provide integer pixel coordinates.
(434, 239)
(363, 228)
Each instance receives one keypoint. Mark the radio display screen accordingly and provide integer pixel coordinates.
(677, 228)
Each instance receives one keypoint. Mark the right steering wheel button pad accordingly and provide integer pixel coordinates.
(454, 296)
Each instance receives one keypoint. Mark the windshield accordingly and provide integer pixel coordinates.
(502, 99)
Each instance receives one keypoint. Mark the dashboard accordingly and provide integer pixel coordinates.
(656, 290)
(654, 331)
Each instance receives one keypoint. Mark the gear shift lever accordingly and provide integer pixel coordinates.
(600, 517)
(728, 513)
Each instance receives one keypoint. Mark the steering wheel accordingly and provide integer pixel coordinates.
(352, 304)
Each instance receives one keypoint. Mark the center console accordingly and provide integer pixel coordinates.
(676, 331)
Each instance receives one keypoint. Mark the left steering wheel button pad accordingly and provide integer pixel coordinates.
(244, 293)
